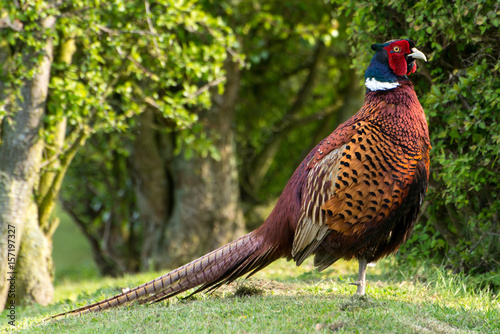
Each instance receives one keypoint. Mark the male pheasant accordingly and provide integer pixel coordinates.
(356, 195)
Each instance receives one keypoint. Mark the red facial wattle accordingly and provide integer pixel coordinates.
(413, 69)
(397, 61)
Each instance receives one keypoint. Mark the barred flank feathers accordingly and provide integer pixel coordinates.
(223, 265)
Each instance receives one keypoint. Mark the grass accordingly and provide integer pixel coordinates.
(285, 299)
(282, 298)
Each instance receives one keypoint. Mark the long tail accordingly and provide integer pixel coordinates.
(247, 254)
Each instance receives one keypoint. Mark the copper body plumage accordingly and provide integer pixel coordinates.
(362, 177)
(356, 195)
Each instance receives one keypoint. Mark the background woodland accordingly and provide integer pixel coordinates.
(168, 128)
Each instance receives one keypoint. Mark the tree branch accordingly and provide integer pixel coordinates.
(150, 25)
(308, 85)
(298, 122)
(207, 86)
(47, 204)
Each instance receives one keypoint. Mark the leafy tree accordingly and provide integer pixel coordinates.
(122, 189)
(460, 91)
(77, 68)
(290, 59)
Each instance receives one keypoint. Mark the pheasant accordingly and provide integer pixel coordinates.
(357, 194)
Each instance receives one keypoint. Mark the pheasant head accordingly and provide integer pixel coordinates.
(393, 61)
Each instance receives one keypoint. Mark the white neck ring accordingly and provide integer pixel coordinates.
(373, 84)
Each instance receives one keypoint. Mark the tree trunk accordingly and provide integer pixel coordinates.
(34, 268)
(20, 157)
(52, 175)
(150, 184)
(206, 212)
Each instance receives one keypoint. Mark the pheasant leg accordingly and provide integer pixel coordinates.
(361, 283)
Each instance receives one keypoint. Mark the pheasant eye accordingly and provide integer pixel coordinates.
(396, 49)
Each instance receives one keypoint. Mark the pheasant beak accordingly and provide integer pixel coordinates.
(417, 54)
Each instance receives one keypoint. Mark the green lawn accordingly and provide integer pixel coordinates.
(285, 299)
(282, 298)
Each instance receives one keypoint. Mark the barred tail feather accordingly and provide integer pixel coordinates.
(247, 254)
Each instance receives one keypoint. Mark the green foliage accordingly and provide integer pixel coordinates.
(111, 61)
(279, 48)
(459, 89)
(131, 55)
(283, 42)
(128, 55)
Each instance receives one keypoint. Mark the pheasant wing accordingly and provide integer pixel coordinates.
(354, 188)
(323, 167)
(317, 191)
